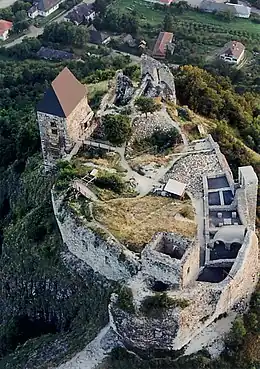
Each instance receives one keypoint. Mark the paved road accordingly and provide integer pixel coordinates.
(6, 3)
(36, 31)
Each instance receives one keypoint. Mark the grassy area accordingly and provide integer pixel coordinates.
(135, 221)
(147, 13)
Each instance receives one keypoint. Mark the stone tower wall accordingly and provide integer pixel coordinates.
(75, 122)
(53, 145)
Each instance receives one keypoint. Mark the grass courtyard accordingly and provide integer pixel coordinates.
(134, 221)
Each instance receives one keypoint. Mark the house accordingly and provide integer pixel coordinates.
(233, 52)
(163, 43)
(238, 10)
(5, 28)
(52, 54)
(97, 37)
(64, 117)
(82, 13)
(43, 8)
(162, 2)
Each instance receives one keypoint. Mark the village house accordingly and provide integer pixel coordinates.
(237, 10)
(97, 37)
(64, 117)
(5, 28)
(53, 54)
(233, 52)
(81, 14)
(162, 45)
(43, 8)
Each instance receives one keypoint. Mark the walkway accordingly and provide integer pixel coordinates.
(94, 352)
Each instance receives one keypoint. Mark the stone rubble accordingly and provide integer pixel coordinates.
(191, 168)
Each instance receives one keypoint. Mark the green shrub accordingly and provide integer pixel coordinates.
(111, 181)
(66, 172)
(117, 128)
(125, 299)
(156, 304)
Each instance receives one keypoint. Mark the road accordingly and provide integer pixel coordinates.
(35, 31)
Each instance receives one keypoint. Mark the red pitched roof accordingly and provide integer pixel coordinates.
(234, 48)
(63, 96)
(163, 40)
(5, 25)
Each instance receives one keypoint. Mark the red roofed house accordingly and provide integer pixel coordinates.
(163, 43)
(5, 27)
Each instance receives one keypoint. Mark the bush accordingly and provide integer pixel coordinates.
(156, 304)
(117, 128)
(66, 172)
(111, 181)
(125, 300)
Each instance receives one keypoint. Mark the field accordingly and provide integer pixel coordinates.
(197, 34)
(147, 13)
(135, 221)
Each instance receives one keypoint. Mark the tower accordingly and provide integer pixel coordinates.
(63, 116)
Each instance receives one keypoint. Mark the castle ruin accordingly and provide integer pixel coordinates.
(206, 275)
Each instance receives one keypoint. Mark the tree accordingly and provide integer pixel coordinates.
(147, 105)
(168, 23)
(117, 128)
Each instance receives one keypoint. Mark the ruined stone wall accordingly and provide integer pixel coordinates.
(190, 264)
(242, 279)
(206, 302)
(223, 162)
(249, 185)
(53, 145)
(76, 120)
(105, 256)
(159, 266)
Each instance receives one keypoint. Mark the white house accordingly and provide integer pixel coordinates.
(239, 10)
(44, 8)
(5, 28)
(233, 52)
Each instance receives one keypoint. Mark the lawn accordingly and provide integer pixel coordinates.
(134, 221)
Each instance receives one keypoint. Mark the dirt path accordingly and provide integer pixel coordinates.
(94, 352)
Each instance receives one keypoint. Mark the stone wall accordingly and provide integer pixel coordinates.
(53, 145)
(191, 264)
(175, 327)
(243, 277)
(177, 272)
(75, 122)
(105, 256)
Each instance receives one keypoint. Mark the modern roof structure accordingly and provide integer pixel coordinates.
(175, 188)
(63, 96)
(52, 54)
(230, 234)
(5, 26)
(233, 48)
(160, 47)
